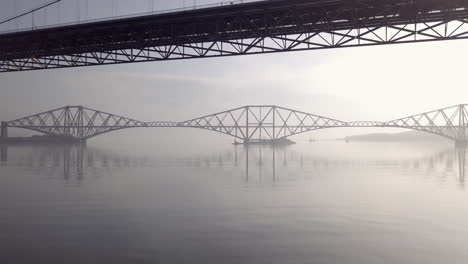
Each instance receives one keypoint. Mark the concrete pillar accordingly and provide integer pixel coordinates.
(4, 130)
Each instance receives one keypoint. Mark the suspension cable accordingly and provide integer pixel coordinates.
(29, 12)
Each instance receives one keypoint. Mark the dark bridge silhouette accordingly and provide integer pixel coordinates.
(250, 124)
(238, 29)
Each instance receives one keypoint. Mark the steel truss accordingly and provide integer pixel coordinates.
(255, 123)
(254, 28)
(251, 123)
(75, 122)
(448, 122)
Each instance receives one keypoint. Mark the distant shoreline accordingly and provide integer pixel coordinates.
(38, 140)
(415, 136)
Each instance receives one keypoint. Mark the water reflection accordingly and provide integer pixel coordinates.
(73, 157)
(441, 163)
(74, 162)
(3, 153)
(461, 165)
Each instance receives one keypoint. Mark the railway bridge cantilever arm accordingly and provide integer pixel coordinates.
(251, 122)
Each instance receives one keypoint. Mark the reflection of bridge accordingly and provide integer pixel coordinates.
(248, 123)
(238, 29)
(76, 161)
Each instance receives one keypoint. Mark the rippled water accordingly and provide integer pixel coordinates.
(325, 202)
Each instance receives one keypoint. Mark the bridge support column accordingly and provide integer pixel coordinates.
(4, 130)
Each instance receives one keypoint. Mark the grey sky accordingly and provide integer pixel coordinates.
(370, 83)
(81, 10)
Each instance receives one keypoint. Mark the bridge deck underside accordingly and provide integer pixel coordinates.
(258, 27)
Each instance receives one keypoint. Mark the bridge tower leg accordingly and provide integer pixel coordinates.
(247, 136)
(461, 141)
(4, 130)
(274, 124)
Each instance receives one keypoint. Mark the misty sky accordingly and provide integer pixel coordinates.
(369, 83)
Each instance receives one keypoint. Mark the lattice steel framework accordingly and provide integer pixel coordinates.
(264, 122)
(251, 123)
(255, 123)
(253, 28)
(450, 122)
(75, 122)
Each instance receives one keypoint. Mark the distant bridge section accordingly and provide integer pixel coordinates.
(252, 123)
(239, 29)
(75, 122)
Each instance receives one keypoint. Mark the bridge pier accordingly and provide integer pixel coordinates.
(4, 130)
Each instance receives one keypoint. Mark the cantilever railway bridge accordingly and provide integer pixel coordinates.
(259, 27)
(248, 123)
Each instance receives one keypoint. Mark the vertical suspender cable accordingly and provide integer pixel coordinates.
(150, 6)
(78, 10)
(16, 12)
(45, 16)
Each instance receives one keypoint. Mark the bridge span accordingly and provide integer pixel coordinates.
(250, 123)
(239, 29)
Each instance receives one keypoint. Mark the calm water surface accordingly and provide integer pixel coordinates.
(324, 202)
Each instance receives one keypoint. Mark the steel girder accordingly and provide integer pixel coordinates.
(162, 124)
(251, 123)
(254, 28)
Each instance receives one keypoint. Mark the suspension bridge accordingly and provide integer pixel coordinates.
(250, 124)
(240, 28)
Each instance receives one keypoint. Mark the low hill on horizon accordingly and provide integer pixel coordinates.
(403, 136)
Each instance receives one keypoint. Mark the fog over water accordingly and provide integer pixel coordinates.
(182, 195)
(323, 202)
